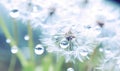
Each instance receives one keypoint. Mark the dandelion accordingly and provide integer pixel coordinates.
(75, 35)
(72, 29)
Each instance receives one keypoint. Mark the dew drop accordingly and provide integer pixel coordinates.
(118, 63)
(56, 37)
(70, 69)
(107, 51)
(39, 49)
(100, 49)
(26, 37)
(64, 43)
(14, 49)
(84, 52)
(8, 40)
(14, 13)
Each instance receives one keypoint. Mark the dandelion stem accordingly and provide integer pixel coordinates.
(13, 58)
(7, 34)
(12, 63)
(30, 43)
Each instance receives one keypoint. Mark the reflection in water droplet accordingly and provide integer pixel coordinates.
(14, 13)
(70, 69)
(64, 43)
(14, 49)
(84, 52)
(26, 37)
(8, 40)
(39, 49)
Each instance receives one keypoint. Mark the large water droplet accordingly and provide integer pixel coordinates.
(14, 49)
(39, 49)
(26, 37)
(64, 43)
(14, 13)
(8, 40)
(70, 69)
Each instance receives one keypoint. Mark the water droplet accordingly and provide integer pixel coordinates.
(107, 51)
(14, 49)
(14, 13)
(8, 40)
(56, 37)
(39, 49)
(84, 52)
(64, 43)
(118, 63)
(26, 37)
(70, 69)
(100, 49)
(37, 8)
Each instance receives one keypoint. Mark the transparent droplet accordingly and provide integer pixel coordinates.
(37, 8)
(84, 52)
(8, 40)
(64, 43)
(26, 37)
(14, 13)
(101, 50)
(107, 51)
(14, 49)
(70, 69)
(39, 49)
(118, 63)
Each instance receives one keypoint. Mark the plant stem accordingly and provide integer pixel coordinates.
(13, 57)
(31, 45)
(7, 34)
(12, 63)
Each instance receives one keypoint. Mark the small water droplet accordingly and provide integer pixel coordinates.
(14, 49)
(56, 37)
(8, 40)
(26, 37)
(39, 49)
(118, 63)
(107, 51)
(14, 13)
(84, 52)
(70, 69)
(100, 49)
(64, 43)
(37, 8)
